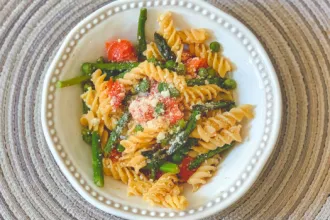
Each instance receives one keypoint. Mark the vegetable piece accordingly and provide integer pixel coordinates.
(194, 64)
(116, 132)
(157, 157)
(120, 50)
(163, 47)
(181, 69)
(85, 108)
(174, 92)
(179, 126)
(170, 64)
(141, 36)
(138, 128)
(115, 155)
(143, 86)
(168, 167)
(116, 91)
(100, 60)
(97, 160)
(120, 148)
(86, 135)
(178, 141)
(202, 72)
(87, 69)
(178, 156)
(119, 66)
(199, 82)
(202, 157)
(211, 72)
(185, 173)
(185, 56)
(162, 87)
(208, 106)
(229, 84)
(73, 81)
(160, 109)
(215, 46)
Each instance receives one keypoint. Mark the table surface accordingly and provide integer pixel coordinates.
(295, 183)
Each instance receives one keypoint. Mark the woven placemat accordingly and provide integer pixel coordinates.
(295, 183)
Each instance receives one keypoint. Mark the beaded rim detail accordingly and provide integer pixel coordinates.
(262, 63)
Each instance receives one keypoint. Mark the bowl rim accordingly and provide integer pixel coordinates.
(212, 207)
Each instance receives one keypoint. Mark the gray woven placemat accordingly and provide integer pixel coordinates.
(295, 183)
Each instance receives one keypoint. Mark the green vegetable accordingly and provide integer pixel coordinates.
(179, 155)
(199, 82)
(178, 141)
(87, 85)
(138, 128)
(73, 81)
(160, 108)
(215, 46)
(163, 47)
(179, 126)
(85, 108)
(202, 72)
(87, 69)
(123, 66)
(100, 60)
(141, 36)
(174, 92)
(208, 106)
(162, 87)
(120, 75)
(168, 167)
(120, 148)
(86, 135)
(211, 72)
(116, 132)
(157, 157)
(170, 64)
(143, 86)
(229, 84)
(97, 160)
(201, 158)
(181, 69)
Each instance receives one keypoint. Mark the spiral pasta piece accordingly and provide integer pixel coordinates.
(132, 77)
(163, 75)
(135, 160)
(226, 136)
(193, 36)
(119, 172)
(140, 140)
(138, 187)
(152, 51)
(200, 94)
(91, 100)
(220, 121)
(221, 64)
(168, 31)
(204, 172)
(166, 186)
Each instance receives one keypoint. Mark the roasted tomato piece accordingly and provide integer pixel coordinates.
(120, 50)
(116, 91)
(185, 173)
(193, 64)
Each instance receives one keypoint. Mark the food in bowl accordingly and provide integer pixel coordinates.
(158, 115)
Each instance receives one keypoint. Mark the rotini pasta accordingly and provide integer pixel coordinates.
(135, 160)
(221, 64)
(204, 172)
(137, 187)
(193, 36)
(200, 94)
(169, 32)
(152, 51)
(221, 120)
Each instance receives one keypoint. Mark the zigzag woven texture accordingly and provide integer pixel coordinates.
(294, 184)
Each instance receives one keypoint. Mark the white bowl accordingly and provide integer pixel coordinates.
(257, 85)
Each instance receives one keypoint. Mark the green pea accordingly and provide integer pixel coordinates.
(138, 128)
(162, 87)
(229, 84)
(160, 108)
(120, 148)
(215, 46)
(87, 68)
(211, 72)
(168, 167)
(170, 64)
(202, 72)
(177, 158)
(181, 69)
(174, 92)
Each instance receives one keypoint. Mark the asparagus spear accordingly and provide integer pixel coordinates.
(200, 82)
(212, 105)
(163, 47)
(156, 157)
(179, 155)
(72, 81)
(141, 36)
(168, 167)
(86, 135)
(97, 160)
(201, 158)
(116, 133)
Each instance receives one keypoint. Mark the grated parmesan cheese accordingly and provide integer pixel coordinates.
(160, 137)
(165, 93)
